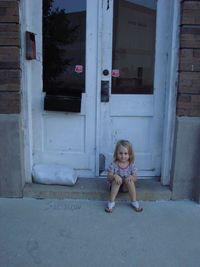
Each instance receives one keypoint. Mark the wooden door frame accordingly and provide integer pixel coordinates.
(171, 83)
(27, 66)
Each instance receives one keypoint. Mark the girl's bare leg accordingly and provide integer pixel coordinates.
(114, 191)
(131, 189)
(132, 192)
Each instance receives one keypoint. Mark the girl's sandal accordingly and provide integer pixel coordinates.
(139, 209)
(108, 210)
(110, 207)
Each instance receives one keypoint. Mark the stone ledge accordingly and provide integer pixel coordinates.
(97, 189)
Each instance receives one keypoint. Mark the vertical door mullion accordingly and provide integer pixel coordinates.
(106, 64)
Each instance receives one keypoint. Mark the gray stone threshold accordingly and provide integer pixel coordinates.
(97, 189)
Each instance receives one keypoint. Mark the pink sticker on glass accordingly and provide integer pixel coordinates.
(115, 73)
(78, 68)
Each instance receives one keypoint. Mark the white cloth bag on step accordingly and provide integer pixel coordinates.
(46, 173)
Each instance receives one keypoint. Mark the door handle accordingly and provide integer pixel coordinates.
(104, 91)
(105, 72)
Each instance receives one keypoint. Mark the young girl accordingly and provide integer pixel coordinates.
(121, 174)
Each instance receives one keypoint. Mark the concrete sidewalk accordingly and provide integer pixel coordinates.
(78, 233)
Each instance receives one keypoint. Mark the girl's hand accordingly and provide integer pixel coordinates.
(118, 179)
(131, 178)
(110, 177)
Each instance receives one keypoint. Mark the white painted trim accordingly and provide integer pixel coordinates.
(26, 96)
(170, 107)
(98, 90)
(91, 74)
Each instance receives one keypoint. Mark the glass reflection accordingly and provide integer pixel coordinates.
(64, 30)
(134, 29)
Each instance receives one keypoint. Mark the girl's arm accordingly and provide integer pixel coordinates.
(110, 177)
(133, 176)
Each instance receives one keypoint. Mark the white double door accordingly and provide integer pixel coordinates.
(85, 141)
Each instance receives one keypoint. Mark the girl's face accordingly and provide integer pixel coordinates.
(122, 154)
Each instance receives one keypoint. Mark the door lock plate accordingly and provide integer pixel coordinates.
(104, 91)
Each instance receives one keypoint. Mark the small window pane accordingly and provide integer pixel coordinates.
(64, 30)
(134, 29)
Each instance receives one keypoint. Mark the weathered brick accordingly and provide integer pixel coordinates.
(190, 13)
(9, 11)
(189, 60)
(184, 105)
(195, 99)
(188, 109)
(191, 5)
(189, 18)
(9, 38)
(9, 35)
(9, 57)
(9, 80)
(188, 113)
(184, 99)
(189, 41)
(195, 112)
(190, 37)
(195, 109)
(10, 3)
(9, 27)
(189, 82)
(9, 102)
(180, 112)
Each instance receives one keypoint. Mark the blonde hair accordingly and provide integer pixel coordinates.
(126, 144)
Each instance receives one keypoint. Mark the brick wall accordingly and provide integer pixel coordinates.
(9, 57)
(188, 102)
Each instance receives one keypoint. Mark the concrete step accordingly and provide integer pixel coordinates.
(97, 189)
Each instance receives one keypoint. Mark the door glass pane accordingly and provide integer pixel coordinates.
(134, 28)
(64, 35)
